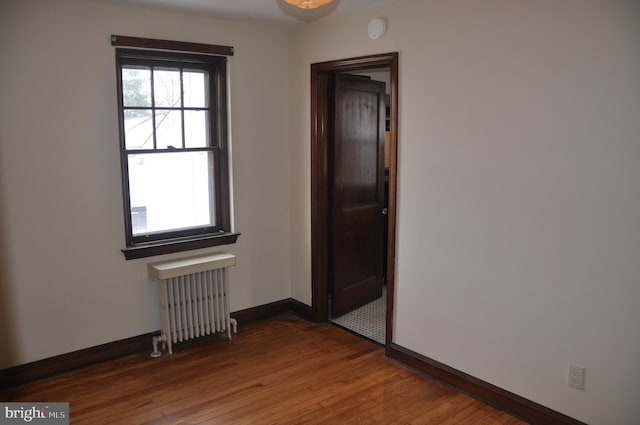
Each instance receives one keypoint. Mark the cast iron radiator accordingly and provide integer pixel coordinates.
(193, 297)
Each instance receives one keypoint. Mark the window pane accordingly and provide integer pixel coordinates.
(138, 129)
(170, 191)
(168, 129)
(195, 129)
(136, 86)
(166, 88)
(194, 89)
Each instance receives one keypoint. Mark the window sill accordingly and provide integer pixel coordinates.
(178, 245)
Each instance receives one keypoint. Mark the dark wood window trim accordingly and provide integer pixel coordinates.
(179, 46)
(172, 246)
(221, 233)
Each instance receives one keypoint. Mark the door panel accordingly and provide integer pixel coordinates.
(357, 192)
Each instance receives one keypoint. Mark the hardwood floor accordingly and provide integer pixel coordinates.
(283, 370)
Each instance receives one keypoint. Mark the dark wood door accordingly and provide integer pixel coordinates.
(357, 192)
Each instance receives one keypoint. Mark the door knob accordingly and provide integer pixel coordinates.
(384, 211)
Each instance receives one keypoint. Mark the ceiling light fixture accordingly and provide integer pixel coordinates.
(308, 4)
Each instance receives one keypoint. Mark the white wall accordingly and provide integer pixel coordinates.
(66, 282)
(518, 237)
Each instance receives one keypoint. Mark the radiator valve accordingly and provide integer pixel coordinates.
(155, 340)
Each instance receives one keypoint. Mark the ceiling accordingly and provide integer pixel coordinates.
(270, 12)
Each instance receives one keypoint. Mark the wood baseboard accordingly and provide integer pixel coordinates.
(301, 309)
(44, 368)
(504, 400)
(273, 309)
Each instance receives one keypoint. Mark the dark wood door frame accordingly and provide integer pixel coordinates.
(320, 128)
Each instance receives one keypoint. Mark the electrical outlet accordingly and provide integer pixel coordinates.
(576, 376)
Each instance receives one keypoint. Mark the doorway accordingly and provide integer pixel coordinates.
(322, 77)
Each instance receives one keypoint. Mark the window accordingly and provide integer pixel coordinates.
(173, 144)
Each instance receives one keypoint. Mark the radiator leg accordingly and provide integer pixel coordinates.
(155, 340)
(234, 325)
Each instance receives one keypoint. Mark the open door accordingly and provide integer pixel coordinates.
(321, 211)
(358, 216)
